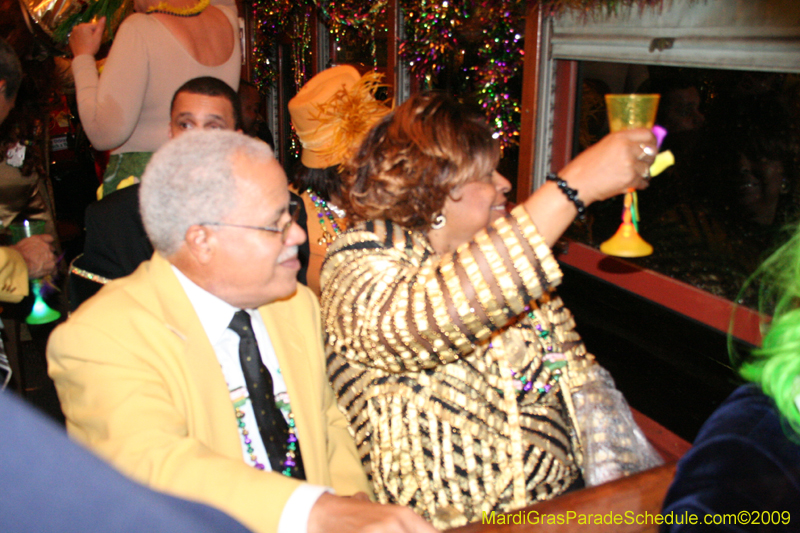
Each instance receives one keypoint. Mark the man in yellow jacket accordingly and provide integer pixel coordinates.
(151, 372)
(33, 257)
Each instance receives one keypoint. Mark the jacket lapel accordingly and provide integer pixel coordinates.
(289, 343)
(210, 413)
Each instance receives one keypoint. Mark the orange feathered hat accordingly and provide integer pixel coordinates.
(333, 112)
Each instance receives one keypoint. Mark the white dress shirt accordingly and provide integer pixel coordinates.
(215, 315)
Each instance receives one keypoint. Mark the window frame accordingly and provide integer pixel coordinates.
(759, 35)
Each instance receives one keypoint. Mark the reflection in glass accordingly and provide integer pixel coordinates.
(715, 214)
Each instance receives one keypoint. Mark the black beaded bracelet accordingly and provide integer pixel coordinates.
(570, 193)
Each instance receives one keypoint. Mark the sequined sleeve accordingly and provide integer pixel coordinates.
(390, 303)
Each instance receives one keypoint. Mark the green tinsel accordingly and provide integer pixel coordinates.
(356, 19)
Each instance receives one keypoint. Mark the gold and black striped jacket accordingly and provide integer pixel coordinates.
(452, 370)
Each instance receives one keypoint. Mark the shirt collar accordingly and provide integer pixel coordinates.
(214, 313)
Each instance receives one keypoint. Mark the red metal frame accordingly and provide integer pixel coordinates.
(681, 297)
(564, 113)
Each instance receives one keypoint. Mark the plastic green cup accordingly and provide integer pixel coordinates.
(26, 228)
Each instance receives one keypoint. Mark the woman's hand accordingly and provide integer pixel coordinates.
(86, 38)
(620, 161)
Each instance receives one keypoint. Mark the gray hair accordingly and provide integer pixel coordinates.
(190, 180)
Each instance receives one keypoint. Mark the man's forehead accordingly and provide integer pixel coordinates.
(187, 102)
(260, 168)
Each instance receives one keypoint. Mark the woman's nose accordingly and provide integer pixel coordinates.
(501, 184)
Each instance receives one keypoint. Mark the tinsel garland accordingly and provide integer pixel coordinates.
(272, 19)
(501, 53)
(430, 34)
(436, 32)
(352, 14)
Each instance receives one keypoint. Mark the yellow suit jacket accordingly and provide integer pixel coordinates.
(13, 276)
(140, 384)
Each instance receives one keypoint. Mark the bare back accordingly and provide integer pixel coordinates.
(207, 37)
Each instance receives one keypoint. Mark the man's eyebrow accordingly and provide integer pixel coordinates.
(278, 212)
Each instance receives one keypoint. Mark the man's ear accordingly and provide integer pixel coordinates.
(201, 243)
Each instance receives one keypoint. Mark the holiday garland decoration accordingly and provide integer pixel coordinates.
(358, 15)
(273, 18)
(501, 53)
(430, 34)
(436, 33)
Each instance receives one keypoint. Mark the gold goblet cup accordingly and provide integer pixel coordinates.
(625, 112)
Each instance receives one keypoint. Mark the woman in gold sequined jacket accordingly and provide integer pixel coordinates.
(466, 386)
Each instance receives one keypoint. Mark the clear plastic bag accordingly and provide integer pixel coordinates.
(613, 444)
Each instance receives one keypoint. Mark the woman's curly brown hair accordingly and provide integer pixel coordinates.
(413, 159)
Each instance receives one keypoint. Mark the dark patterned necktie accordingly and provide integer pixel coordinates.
(271, 425)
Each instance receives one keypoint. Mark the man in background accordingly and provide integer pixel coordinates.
(116, 243)
(33, 257)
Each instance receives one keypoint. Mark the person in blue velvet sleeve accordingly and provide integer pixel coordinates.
(743, 472)
(50, 484)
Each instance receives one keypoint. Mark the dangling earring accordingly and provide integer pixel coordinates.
(439, 221)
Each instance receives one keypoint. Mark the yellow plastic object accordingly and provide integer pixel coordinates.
(630, 111)
(626, 242)
(663, 161)
(625, 112)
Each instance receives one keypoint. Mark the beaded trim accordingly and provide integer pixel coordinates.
(571, 194)
(91, 276)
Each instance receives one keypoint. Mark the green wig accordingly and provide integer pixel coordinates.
(775, 366)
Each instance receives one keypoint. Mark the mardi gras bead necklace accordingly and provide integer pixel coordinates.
(324, 210)
(282, 401)
(191, 11)
(551, 359)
